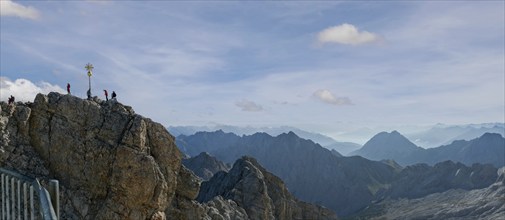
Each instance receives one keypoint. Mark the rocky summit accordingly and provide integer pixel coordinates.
(111, 162)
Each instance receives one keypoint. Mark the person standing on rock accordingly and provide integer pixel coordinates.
(11, 100)
(68, 88)
(89, 93)
(106, 95)
(113, 95)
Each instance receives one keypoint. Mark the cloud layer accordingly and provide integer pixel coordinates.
(25, 90)
(346, 34)
(248, 106)
(327, 97)
(9, 8)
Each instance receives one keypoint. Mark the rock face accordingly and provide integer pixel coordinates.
(487, 203)
(205, 165)
(269, 198)
(111, 162)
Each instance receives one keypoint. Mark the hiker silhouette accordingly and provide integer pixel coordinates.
(11, 99)
(106, 95)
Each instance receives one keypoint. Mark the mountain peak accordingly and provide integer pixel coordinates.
(390, 138)
(386, 145)
(488, 135)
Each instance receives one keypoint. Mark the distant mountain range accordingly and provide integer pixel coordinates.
(444, 134)
(488, 148)
(325, 141)
(343, 184)
(422, 136)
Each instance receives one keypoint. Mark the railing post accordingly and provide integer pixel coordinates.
(19, 198)
(32, 206)
(7, 198)
(54, 192)
(13, 195)
(3, 197)
(25, 201)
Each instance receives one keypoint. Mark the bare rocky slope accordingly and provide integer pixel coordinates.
(487, 203)
(111, 162)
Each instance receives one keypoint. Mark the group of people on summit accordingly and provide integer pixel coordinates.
(89, 93)
(11, 99)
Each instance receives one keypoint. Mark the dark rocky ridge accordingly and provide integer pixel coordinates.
(205, 165)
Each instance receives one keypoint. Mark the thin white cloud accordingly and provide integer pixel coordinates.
(25, 90)
(327, 97)
(248, 106)
(10, 8)
(346, 34)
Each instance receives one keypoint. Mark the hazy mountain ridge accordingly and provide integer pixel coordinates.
(323, 140)
(489, 148)
(440, 134)
(344, 184)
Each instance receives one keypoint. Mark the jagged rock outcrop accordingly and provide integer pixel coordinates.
(111, 162)
(263, 195)
(204, 165)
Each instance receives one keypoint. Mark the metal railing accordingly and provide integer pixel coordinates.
(19, 194)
